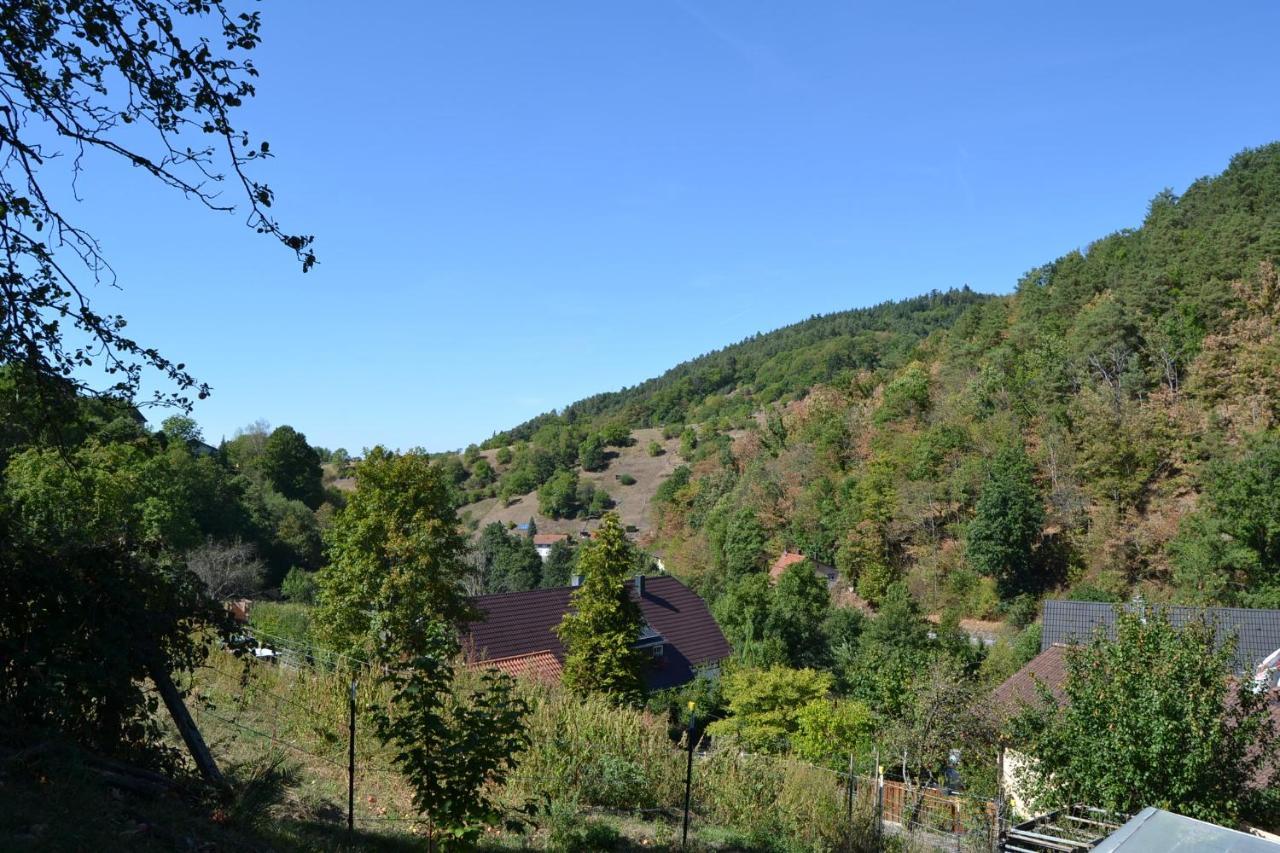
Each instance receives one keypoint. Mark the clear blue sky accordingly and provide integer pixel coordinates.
(519, 204)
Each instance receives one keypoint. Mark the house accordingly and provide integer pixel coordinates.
(517, 632)
(1065, 623)
(1257, 632)
(790, 558)
(542, 543)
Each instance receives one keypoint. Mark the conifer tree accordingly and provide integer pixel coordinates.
(1007, 522)
(601, 630)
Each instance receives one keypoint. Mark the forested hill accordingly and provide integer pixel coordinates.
(768, 366)
(1106, 429)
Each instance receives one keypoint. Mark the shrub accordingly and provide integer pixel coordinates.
(627, 480)
(591, 751)
(290, 622)
(299, 586)
(656, 449)
(570, 832)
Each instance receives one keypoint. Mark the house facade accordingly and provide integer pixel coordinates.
(542, 543)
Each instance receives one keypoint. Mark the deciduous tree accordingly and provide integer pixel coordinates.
(397, 555)
(1155, 718)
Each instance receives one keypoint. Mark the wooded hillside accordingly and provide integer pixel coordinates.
(1107, 428)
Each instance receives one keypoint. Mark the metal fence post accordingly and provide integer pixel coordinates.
(848, 794)
(688, 780)
(879, 802)
(351, 761)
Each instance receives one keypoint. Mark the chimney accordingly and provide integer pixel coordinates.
(640, 586)
(575, 580)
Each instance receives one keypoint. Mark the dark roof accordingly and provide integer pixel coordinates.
(1257, 631)
(520, 623)
(1049, 667)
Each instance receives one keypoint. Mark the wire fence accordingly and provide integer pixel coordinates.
(242, 706)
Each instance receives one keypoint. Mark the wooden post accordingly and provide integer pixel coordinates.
(182, 719)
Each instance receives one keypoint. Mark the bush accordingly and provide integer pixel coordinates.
(627, 480)
(571, 832)
(592, 752)
(299, 586)
(290, 622)
(656, 449)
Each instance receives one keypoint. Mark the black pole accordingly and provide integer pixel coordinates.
(688, 781)
(351, 762)
(879, 802)
(848, 794)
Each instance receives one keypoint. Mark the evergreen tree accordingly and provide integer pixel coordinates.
(558, 568)
(1007, 522)
(744, 542)
(600, 631)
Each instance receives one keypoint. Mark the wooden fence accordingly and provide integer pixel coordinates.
(932, 809)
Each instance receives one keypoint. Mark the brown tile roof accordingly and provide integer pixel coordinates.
(516, 624)
(539, 666)
(548, 538)
(1049, 668)
(787, 558)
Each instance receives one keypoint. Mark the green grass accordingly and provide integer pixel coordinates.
(605, 778)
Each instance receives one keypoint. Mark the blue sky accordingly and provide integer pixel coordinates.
(519, 204)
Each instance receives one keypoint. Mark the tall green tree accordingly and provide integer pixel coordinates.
(397, 555)
(1007, 522)
(796, 616)
(600, 631)
(1155, 718)
(744, 541)
(293, 467)
(742, 611)
(591, 453)
(559, 567)
(558, 496)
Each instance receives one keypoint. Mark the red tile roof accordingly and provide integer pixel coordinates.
(517, 624)
(539, 666)
(1049, 668)
(787, 558)
(548, 538)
